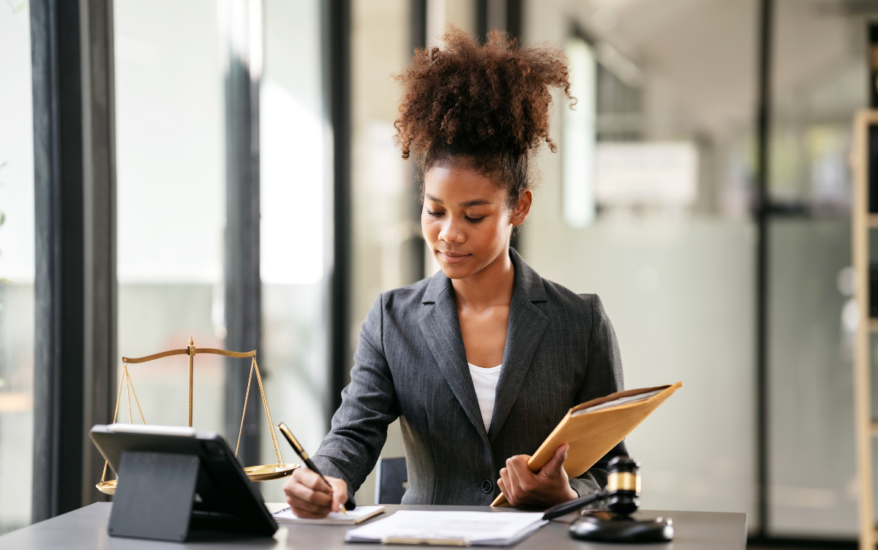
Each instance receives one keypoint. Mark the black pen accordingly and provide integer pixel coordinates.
(349, 505)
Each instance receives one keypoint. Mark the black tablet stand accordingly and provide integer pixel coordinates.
(155, 496)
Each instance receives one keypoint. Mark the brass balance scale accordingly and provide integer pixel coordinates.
(264, 472)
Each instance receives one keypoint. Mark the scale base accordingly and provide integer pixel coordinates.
(601, 526)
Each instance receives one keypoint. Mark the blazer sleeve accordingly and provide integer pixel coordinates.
(603, 376)
(369, 404)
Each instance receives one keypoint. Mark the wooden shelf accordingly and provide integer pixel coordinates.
(862, 223)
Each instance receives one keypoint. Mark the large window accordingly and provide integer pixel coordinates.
(16, 267)
(171, 136)
(383, 198)
(294, 206)
(171, 203)
(386, 219)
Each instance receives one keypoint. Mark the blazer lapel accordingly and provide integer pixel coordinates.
(441, 328)
(526, 326)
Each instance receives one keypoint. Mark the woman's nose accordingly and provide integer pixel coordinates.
(451, 234)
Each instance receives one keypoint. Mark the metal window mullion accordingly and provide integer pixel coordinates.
(99, 228)
(336, 29)
(74, 285)
(243, 286)
(762, 214)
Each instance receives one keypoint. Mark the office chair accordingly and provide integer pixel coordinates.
(392, 477)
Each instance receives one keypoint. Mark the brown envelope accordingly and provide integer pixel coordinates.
(592, 435)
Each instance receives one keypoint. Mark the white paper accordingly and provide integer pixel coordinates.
(619, 402)
(353, 516)
(475, 528)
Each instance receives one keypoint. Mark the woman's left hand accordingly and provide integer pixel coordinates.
(548, 487)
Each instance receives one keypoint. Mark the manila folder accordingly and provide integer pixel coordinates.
(592, 434)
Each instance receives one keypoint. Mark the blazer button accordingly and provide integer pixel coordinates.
(487, 486)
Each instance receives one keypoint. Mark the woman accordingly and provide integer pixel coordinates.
(481, 361)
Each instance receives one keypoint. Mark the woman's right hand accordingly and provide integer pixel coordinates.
(309, 497)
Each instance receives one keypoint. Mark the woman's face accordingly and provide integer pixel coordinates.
(466, 219)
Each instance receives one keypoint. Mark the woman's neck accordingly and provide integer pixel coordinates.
(490, 287)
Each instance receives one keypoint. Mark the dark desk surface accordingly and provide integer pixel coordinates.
(86, 528)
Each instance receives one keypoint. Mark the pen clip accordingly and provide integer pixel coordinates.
(293, 441)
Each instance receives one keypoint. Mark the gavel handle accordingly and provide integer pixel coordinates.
(572, 505)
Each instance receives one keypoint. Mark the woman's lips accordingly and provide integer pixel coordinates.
(452, 258)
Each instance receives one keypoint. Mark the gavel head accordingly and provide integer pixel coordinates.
(623, 485)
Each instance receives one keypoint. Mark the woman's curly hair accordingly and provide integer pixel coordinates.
(486, 105)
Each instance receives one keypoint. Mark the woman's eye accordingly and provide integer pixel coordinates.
(474, 220)
(434, 214)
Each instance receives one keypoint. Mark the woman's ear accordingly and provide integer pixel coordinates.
(522, 207)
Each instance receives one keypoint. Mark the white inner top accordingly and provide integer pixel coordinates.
(485, 382)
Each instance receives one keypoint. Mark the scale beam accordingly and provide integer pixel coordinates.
(186, 351)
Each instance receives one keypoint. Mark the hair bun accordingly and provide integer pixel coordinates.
(474, 100)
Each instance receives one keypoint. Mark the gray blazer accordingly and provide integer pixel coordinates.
(410, 364)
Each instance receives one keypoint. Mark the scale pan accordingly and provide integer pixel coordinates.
(267, 472)
(107, 487)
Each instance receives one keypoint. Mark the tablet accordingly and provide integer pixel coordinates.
(226, 500)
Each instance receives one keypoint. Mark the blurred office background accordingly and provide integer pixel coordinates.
(256, 200)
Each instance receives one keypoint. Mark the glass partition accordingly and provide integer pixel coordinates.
(820, 79)
(670, 249)
(16, 267)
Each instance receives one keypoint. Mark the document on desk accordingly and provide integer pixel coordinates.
(449, 528)
(354, 517)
